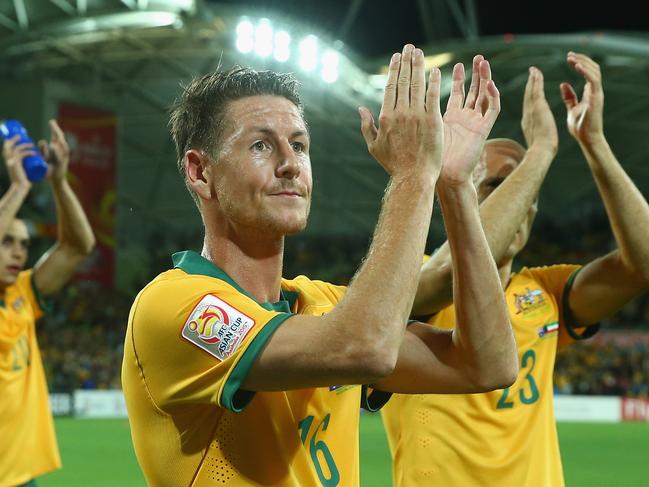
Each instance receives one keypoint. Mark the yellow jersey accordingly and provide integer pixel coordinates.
(192, 336)
(501, 438)
(27, 442)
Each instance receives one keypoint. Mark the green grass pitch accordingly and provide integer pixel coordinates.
(98, 453)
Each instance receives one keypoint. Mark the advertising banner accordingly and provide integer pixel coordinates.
(92, 136)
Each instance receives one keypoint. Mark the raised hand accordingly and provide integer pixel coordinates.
(56, 153)
(467, 123)
(14, 154)
(585, 116)
(409, 137)
(538, 124)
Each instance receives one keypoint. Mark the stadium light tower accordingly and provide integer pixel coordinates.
(282, 46)
(263, 38)
(313, 56)
(330, 61)
(245, 37)
(309, 53)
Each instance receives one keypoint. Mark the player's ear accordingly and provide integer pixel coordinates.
(197, 164)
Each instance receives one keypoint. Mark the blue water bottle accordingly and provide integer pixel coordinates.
(35, 166)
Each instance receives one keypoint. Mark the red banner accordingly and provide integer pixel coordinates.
(92, 136)
(635, 409)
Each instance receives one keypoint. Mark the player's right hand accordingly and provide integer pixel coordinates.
(14, 154)
(586, 116)
(538, 124)
(409, 138)
(468, 122)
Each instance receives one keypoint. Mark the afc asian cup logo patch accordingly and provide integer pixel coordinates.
(216, 327)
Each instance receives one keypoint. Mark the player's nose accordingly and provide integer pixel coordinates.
(288, 165)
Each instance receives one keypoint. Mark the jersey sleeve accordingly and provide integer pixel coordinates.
(31, 294)
(557, 280)
(195, 341)
(333, 292)
(313, 297)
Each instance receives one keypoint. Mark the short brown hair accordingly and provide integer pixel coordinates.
(197, 115)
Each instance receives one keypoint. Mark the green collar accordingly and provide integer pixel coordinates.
(193, 263)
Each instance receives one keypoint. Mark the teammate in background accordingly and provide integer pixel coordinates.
(27, 443)
(233, 374)
(508, 437)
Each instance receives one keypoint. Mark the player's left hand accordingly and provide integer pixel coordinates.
(56, 153)
(538, 124)
(467, 123)
(585, 116)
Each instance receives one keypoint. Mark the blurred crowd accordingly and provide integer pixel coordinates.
(603, 367)
(82, 339)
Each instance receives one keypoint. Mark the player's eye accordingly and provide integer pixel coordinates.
(259, 146)
(494, 183)
(490, 185)
(298, 146)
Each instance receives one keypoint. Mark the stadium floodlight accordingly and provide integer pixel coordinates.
(245, 36)
(330, 61)
(282, 50)
(263, 38)
(309, 53)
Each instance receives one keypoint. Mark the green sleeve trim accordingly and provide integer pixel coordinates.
(374, 401)
(233, 397)
(45, 304)
(568, 317)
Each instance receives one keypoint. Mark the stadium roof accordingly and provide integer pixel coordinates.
(129, 56)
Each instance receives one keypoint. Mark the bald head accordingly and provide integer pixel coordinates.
(499, 158)
(507, 147)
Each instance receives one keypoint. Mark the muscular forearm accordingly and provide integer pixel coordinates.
(10, 204)
(483, 334)
(627, 209)
(375, 298)
(501, 215)
(74, 230)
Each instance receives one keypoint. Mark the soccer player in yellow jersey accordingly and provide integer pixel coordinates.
(508, 437)
(234, 376)
(27, 442)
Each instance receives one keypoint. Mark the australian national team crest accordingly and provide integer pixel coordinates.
(530, 303)
(216, 327)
